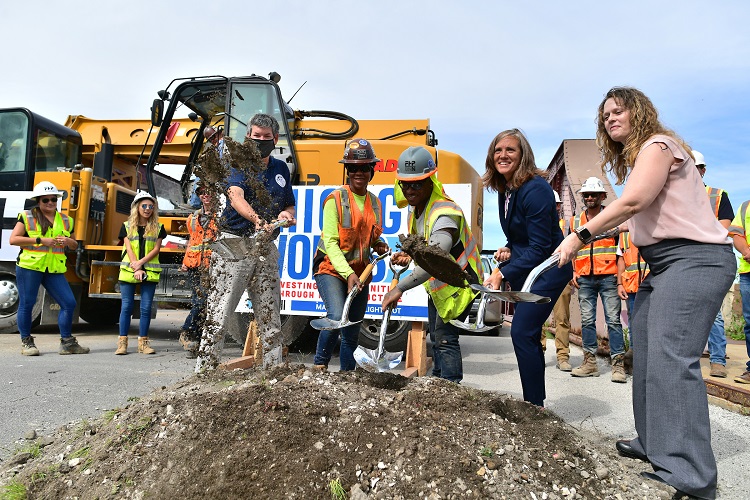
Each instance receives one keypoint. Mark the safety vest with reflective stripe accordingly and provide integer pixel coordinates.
(198, 252)
(39, 257)
(602, 253)
(451, 301)
(152, 268)
(635, 267)
(358, 231)
(714, 197)
(743, 218)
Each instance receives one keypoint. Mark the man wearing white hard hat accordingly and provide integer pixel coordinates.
(596, 275)
(723, 211)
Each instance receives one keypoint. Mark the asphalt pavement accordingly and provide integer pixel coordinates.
(42, 393)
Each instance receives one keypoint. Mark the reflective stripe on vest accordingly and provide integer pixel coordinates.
(152, 272)
(744, 266)
(43, 258)
(636, 268)
(353, 225)
(451, 301)
(603, 253)
(714, 197)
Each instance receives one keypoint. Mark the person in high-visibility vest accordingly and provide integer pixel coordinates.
(596, 276)
(202, 231)
(631, 270)
(530, 222)
(692, 265)
(739, 230)
(717, 338)
(141, 235)
(43, 234)
(352, 225)
(436, 217)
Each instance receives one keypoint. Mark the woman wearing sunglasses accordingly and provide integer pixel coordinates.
(141, 235)
(43, 234)
(352, 225)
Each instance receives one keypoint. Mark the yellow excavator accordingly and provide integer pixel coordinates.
(102, 163)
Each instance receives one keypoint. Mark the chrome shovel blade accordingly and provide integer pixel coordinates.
(472, 327)
(368, 359)
(510, 296)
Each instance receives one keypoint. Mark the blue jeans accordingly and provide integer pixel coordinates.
(604, 286)
(446, 353)
(717, 341)
(630, 302)
(127, 290)
(745, 293)
(193, 325)
(333, 291)
(57, 286)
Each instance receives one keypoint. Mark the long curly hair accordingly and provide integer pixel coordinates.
(494, 180)
(619, 158)
(152, 224)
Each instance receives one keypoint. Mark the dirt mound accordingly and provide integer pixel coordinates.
(291, 433)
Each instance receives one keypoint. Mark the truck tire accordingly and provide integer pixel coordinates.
(9, 304)
(395, 337)
(100, 312)
(292, 327)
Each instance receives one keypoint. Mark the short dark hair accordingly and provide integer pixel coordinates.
(262, 120)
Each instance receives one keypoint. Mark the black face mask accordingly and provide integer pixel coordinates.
(265, 147)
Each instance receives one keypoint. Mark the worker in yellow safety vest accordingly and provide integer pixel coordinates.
(43, 234)
(595, 275)
(436, 217)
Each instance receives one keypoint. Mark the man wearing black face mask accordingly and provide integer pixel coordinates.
(245, 256)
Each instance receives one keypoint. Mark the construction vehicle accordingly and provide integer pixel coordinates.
(111, 157)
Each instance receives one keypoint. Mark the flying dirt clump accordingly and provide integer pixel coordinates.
(435, 260)
(291, 433)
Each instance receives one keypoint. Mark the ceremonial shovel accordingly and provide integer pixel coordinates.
(380, 360)
(330, 324)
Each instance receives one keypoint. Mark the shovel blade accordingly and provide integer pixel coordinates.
(325, 324)
(472, 327)
(510, 296)
(368, 359)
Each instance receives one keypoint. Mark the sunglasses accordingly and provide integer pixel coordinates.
(589, 195)
(49, 200)
(147, 207)
(358, 168)
(414, 186)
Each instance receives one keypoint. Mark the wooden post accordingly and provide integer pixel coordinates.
(417, 361)
(251, 354)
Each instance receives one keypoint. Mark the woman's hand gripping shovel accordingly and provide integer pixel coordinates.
(380, 360)
(331, 324)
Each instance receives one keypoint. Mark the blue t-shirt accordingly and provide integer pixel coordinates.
(276, 180)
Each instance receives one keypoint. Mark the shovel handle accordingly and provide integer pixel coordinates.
(366, 273)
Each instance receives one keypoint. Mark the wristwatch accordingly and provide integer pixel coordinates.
(38, 240)
(583, 234)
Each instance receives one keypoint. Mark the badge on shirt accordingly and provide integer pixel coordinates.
(280, 180)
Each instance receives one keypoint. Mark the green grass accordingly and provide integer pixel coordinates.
(136, 432)
(336, 489)
(735, 327)
(80, 453)
(34, 449)
(14, 490)
(109, 415)
(486, 451)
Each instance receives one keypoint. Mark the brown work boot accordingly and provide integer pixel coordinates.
(144, 346)
(743, 379)
(564, 365)
(718, 370)
(320, 368)
(28, 348)
(70, 345)
(588, 368)
(618, 369)
(122, 344)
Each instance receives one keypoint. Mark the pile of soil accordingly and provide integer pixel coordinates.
(293, 433)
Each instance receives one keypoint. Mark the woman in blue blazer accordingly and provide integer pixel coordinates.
(529, 219)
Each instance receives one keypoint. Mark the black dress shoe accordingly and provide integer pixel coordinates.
(624, 449)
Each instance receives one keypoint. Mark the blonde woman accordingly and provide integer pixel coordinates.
(142, 235)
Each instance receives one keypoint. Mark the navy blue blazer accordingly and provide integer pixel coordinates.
(532, 227)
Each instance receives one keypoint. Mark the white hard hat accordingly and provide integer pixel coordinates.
(699, 159)
(557, 197)
(141, 195)
(46, 187)
(592, 185)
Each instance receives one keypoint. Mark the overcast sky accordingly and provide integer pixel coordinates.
(472, 68)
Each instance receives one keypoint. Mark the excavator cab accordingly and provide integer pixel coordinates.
(30, 143)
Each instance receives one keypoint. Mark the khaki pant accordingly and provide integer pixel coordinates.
(561, 315)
